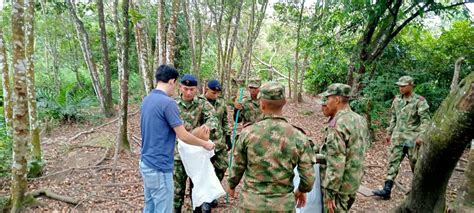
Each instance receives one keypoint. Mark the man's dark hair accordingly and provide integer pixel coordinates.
(164, 73)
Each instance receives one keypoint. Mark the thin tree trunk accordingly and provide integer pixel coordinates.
(20, 109)
(123, 46)
(230, 50)
(305, 66)
(200, 39)
(457, 69)
(30, 76)
(451, 130)
(171, 36)
(191, 38)
(160, 42)
(105, 51)
(87, 52)
(7, 92)
(142, 52)
(297, 52)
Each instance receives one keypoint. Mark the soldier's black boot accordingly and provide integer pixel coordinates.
(386, 191)
(206, 207)
(214, 203)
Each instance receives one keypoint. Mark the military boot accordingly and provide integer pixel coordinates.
(206, 208)
(386, 191)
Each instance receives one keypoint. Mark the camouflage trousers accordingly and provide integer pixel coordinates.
(180, 177)
(242, 210)
(397, 154)
(220, 162)
(343, 202)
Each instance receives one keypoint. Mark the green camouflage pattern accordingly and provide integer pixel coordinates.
(223, 127)
(405, 81)
(272, 91)
(345, 142)
(265, 155)
(254, 82)
(220, 162)
(194, 114)
(251, 111)
(343, 202)
(337, 89)
(410, 118)
(397, 153)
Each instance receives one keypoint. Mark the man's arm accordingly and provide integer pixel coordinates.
(305, 167)
(188, 138)
(239, 162)
(423, 112)
(335, 163)
(393, 120)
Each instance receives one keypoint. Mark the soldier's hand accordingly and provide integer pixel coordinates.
(208, 146)
(387, 140)
(419, 141)
(300, 199)
(231, 192)
(330, 205)
(238, 105)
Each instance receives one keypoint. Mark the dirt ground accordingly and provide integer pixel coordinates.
(84, 169)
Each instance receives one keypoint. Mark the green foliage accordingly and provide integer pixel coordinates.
(5, 147)
(64, 105)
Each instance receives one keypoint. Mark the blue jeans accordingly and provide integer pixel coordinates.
(158, 188)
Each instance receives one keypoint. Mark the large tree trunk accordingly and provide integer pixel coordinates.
(109, 107)
(37, 163)
(123, 46)
(142, 51)
(20, 109)
(451, 130)
(7, 94)
(465, 197)
(171, 36)
(83, 38)
(297, 52)
(160, 44)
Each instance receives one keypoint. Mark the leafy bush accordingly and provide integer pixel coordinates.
(64, 105)
(5, 147)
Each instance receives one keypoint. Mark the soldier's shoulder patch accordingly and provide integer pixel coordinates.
(300, 129)
(332, 122)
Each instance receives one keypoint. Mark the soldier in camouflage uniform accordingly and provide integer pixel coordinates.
(345, 141)
(410, 117)
(250, 107)
(266, 153)
(194, 111)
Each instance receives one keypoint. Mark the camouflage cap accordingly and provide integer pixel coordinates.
(405, 81)
(323, 101)
(272, 91)
(337, 89)
(254, 83)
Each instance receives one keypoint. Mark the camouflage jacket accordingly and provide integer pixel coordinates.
(346, 138)
(223, 127)
(266, 153)
(251, 111)
(194, 114)
(410, 119)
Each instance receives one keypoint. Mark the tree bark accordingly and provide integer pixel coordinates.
(37, 164)
(451, 130)
(20, 109)
(142, 52)
(297, 52)
(108, 108)
(83, 38)
(7, 93)
(123, 46)
(457, 69)
(160, 44)
(171, 36)
(465, 197)
(191, 38)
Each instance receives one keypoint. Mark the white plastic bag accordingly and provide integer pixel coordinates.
(198, 166)
(313, 198)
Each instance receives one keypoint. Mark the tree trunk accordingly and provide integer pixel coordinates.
(171, 36)
(37, 163)
(7, 93)
(123, 45)
(20, 109)
(83, 38)
(142, 52)
(305, 66)
(450, 132)
(191, 38)
(297, 52)
(160, 44)
(457, 69)
(109, 107)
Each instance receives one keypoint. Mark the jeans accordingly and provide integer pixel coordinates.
(158, 188)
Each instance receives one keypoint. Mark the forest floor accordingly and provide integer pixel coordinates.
(80, 164)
